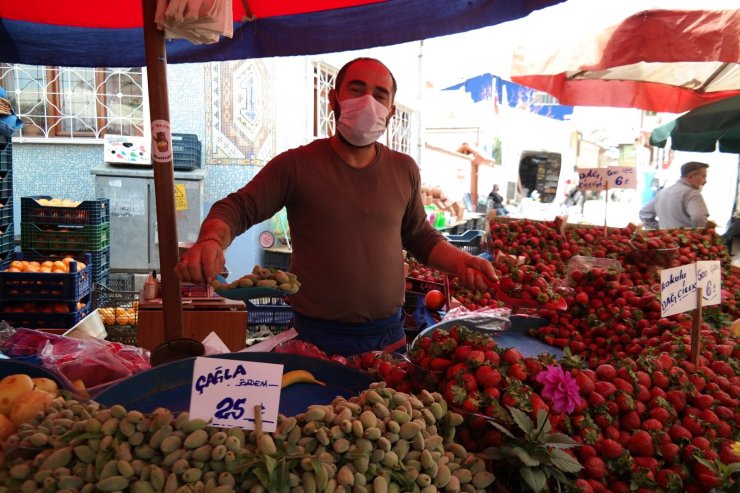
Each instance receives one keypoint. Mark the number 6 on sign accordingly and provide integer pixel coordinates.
(224, 390)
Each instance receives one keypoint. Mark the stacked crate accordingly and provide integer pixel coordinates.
(57, 232)
(7, 244)
(44, 300)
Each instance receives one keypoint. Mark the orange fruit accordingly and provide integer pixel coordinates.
(34, 263)
(44, 269)
(13, 269)
(58, 264)
(47, 263)
(17, 264)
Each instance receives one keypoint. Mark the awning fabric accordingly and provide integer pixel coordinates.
(108, 33)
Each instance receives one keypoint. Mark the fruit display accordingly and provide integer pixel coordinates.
(55, 202)
(120, 315)
(379, 441)
(51, 266)
(22, 398)
(263, 277)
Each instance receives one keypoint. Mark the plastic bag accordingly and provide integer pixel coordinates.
(486, 318)
(27, 342)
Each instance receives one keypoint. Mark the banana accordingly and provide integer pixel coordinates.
(299, 376)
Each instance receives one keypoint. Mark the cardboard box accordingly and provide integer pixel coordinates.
(121, 149)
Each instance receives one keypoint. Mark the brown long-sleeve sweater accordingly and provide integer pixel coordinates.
(347, 226)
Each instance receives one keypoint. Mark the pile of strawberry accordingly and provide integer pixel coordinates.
(645, 424)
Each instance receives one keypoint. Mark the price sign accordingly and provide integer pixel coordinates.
(225, 392)
(621, 177)
(709, 279)
(592, 178)
(678, 289)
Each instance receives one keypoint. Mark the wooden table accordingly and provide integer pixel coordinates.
(227, 318)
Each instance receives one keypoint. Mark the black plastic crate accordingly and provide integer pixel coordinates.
(6, 211)
(7, 237)
(87, 213)
(470, 241)
(74, 238)
(186, 152)
(276, 260)
(99, 261)
(6, 184)
(271, 313)
(46, 286)
(35, 315)
(6, 153)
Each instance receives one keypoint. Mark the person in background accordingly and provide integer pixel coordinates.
(681, 205)
(497, 202)
(353, 204)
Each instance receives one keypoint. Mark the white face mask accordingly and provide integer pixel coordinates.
(362, 120)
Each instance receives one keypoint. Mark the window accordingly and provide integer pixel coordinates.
(398, 135)
(75, 102)
(323, 81)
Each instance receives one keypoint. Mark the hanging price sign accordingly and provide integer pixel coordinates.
(592, 178)
(709, 278)
(678, 289)
(226, 392)
(621, 177)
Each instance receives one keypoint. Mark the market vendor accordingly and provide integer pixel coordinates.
(353, 204)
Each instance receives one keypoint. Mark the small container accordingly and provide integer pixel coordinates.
(150, 287)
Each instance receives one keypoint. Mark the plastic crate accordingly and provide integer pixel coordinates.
(7, 237)
(87, 213)
(6, 154)
(46, 286)
(276, 260)
(120, 312)
(470, 241)
(71, 238)
(186, 151)
(271, 313)
(6, 211)
(98, 261)
(42, 320)
(6, 184)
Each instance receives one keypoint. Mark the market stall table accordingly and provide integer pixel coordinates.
(227, 318)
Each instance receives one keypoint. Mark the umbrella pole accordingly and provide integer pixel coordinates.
(164, 179)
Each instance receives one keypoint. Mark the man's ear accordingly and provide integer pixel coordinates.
(391, 113)
(332, 98)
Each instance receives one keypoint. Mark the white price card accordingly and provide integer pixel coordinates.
(621, 177)
(709, 279)
(225, 392)
(592, 178)
(678, 289)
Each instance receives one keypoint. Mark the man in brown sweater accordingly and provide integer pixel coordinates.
(353, 204)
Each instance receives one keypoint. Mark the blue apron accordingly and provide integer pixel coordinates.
(349, 339)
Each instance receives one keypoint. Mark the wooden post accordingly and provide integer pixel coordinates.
(164, 180)
(606, 209)
(696, 329)
(258, 420)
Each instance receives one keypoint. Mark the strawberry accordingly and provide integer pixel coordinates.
(585, 383)
(512, 355)
(606, 389)
(701, 443)
(669, 480)
(649, 463)
(439, 364)
(669, 451)
(468, 381)
(582, 486)
(517, 372)
(703, 401)
(475, 358)
(595, 467)
(487, 376)
(606, 372)
(652, 425)
(641, 444)
(661, 414)
(611, 449)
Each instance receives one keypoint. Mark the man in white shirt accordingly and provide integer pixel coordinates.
(680, 205)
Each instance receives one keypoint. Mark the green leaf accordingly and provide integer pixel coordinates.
(564, 462)
(502, 429)
(522, 420)
(524, 456)
(535, 478)
(270, 464)
(560, 440)
(733, 468)
(262, 475)
(543, 424)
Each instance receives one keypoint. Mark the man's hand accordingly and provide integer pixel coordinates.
(201, 263)
(477, 273)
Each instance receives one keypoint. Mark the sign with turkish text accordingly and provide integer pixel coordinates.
(678, 289)
(592, 178)
(709, 279)
(621, 177)
(225, 392)
(181, 197)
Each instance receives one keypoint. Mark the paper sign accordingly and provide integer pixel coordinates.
(621, 177)
(592, 179)
(225, 392)
(678, 289)
(181, 198)
(709, 279)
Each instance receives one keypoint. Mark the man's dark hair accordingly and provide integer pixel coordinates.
(342, 71)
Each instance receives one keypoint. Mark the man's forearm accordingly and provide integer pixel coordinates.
(216, 230)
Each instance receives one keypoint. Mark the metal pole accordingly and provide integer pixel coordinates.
(164, 180)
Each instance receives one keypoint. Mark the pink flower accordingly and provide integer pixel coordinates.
(561, 388)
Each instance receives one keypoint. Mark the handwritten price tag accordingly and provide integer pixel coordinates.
(678, 289)
(227, 391)
(621, 177)
(592, 178)
(709, 279)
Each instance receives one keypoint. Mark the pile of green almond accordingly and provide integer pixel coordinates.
(263, 277)
(380, 441)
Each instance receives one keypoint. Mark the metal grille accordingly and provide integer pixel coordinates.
(75, 102)
(323, 81)
(399, 130)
